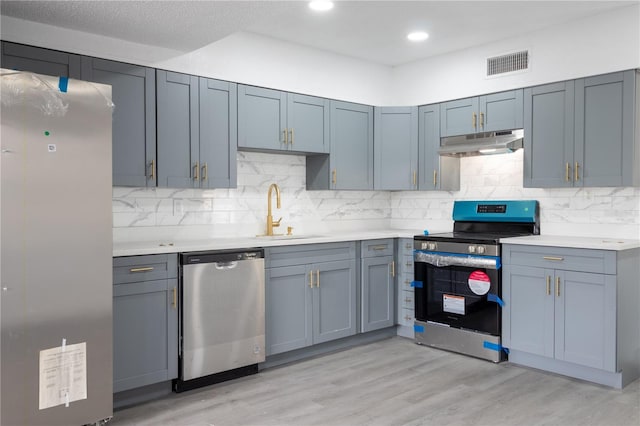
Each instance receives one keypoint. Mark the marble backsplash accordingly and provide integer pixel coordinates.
(152, 213)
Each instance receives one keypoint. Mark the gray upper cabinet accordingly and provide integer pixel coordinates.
(605, 119)
(581, 133)
(133, 90)
(271, 120)
(435, 172)
(497, 111)
(350, 162)
(38, 60)
(197, 141)
(396, 148)
(548, 135)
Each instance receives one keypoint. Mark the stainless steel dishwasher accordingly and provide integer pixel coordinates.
(221, 316)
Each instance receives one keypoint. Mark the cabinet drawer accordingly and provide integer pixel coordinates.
(305, 254)
(567, 259)
(376, 248)
(406, 299)
(406, 317)
(405, 282)
(131, 269)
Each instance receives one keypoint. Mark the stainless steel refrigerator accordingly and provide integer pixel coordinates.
(55, 251)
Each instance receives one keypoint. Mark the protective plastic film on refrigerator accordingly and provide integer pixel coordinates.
(55, 251)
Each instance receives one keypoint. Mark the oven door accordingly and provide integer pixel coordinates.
(456, 291)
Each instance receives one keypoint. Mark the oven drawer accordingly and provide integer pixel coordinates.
(568, 259)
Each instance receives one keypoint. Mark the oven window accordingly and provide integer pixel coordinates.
(450, 296)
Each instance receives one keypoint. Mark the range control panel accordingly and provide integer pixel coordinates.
(492, 208)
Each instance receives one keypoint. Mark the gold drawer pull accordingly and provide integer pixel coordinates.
(382, 247)
(435, 178)
(291, 135)
(318, 278)
(407, 299)
(145, 269)
(567, 173)
(482, 119)
(174, 302)
(415, 178)
(393, 268)
(334, 176)
(286, 136)
(473, 120)
(556, 259)
(310, 279)
(548, 285)
(576, 171)
(205, 172)
(153, 170)
(558, 286)
(196, 171)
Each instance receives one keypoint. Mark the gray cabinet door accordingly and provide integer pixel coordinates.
(218, 134)
(262, 118)
(334, 300)
(548, 135)
(500, 111)
(308, 123)
(528, 322)
(604, 130)
(351, 146)
(288, 309)
(459, 117)
(377, 293)
(145, 334)
(133, 91)
(585, 319)
(434, 172)
(395, 148)
(40, 61)
(178, 130)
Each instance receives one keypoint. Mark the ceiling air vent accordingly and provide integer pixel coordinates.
(508, 63)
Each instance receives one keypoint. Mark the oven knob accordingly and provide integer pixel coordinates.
(480, 249)
(472, 249)
(432, 246)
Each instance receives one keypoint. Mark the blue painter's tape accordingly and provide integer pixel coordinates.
(63, 83)
(418, 328)
(426, 232)
(495, 298)
(417, 284)
(495, 347)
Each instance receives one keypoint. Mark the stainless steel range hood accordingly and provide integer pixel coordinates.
(481, 143)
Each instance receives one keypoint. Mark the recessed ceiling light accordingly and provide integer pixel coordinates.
(418, 36)
(321, 5)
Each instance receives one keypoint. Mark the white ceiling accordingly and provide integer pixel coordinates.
(374, 31)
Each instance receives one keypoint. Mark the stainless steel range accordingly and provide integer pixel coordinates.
(458, 282)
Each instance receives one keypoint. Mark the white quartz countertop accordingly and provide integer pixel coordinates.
(134, 248)
(597, 243)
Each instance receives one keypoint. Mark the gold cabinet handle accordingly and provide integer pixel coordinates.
(567, 173)
(482, 119)
(196, 171)
(291, 136)
(557, 286)
(393, 268)
(205, 172)
(153, 170)
(310, 279)
(576, 172)
(334, 176)
(474, 120)
(286, 136)
(548, 285)
(554, 258)
(174, 301)
(144, 269)
(381, 247)
(435, 178)
(408, 246)
(318, 278)
(407, 318)
(415, 178)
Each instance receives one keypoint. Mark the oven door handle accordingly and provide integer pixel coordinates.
(439, 259)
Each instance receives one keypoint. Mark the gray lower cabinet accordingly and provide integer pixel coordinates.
(197, 136)
(133, 91)
(435, 172)
(310, 295)
(563, 312)
(580, 133)
(41, 61)
(405, 291)
(487, 113)
(145, 320)
(377, 280)
(395, 148)
(349, 166)
(271, 120)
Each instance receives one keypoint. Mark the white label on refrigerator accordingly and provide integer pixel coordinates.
(63, 375)
(453, 304)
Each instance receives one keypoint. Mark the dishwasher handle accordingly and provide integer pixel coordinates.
(222, 266)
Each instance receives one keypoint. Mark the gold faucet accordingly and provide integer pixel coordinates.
(270, 222)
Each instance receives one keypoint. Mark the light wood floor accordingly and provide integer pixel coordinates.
(394, 382)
